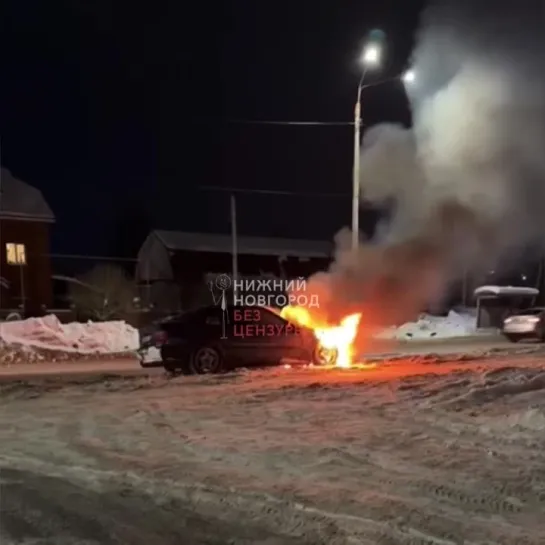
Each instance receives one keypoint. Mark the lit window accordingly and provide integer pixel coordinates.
(11, 253)
(21, 254)
(15, 254)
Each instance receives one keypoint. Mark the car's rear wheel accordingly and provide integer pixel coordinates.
(324, 356)
(512, 338)
(206, 360)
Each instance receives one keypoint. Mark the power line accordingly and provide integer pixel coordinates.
(296, 123)
(272, 192)
(314, 123)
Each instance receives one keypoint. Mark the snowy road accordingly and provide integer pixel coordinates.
(53, 510)
(128, 367)
(75, 370)
(413, 452)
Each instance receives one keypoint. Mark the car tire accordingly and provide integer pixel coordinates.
(512, 338)
(206, 360)
(324, 356)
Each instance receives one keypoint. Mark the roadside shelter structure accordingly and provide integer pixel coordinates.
(495, 303)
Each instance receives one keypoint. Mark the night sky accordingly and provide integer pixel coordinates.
(122, 112)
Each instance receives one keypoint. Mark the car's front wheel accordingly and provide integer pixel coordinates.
(206, 360)
(324, 356)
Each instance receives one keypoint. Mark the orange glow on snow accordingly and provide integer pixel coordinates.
(338, 337)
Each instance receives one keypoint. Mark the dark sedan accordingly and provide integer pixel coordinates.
(212, 340)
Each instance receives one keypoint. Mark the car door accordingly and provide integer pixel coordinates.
(218, 325)
(263, 336)
(284, 339)
(193, 329)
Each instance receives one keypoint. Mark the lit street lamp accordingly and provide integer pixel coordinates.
(370, 59)
(408, 77)
(371, 56)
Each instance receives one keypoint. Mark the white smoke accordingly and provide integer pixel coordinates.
(478, 104)
(468, 180)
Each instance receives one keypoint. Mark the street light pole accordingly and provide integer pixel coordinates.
(356, 170)
(234, 245)
(371, 58)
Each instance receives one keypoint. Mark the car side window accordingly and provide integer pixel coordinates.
(530, 312)
(201, 317)
(213, 316)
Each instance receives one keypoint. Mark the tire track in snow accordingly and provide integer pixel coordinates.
(350, 438)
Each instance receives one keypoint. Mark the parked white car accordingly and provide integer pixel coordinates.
(525, 324)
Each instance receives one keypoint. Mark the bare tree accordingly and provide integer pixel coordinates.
(103, 293)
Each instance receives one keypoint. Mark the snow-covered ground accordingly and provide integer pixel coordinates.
(48, 333)
(407, 453)
(434, 327)
(26, 340)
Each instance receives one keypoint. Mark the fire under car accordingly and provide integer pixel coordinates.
(212, 340)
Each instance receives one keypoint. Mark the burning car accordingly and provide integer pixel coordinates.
(213, 340)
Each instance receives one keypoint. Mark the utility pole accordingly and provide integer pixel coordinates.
(23, 294)
(356, 172)
(234, 243)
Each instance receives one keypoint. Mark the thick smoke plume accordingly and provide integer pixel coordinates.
(468, 179)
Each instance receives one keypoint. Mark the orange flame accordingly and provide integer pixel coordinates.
(338, 337)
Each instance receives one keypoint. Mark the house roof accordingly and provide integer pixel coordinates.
(202, 242)
(19, 200)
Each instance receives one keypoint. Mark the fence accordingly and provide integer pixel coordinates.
(68, 266)
(65, 270)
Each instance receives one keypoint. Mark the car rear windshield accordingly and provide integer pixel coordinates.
(530, 312)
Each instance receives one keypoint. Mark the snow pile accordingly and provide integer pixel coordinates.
(434, 327)
(49, 333)
(17, 354)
